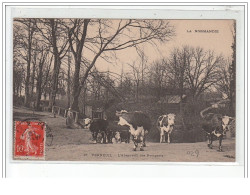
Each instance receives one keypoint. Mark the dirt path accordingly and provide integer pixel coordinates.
(75, 145)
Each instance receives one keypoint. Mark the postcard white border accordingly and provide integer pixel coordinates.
(154, 169)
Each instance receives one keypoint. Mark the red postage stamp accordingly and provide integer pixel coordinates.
(29, 140)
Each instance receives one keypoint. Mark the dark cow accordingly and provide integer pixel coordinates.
(165, 124)
(122, 136)
(110, 136)
(97, 126)
(215, 125)
(117, 133)
(138, 123)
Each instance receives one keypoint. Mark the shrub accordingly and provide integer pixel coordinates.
(18, 101)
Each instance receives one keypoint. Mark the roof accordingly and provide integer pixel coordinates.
(98, 110)
(171, 99)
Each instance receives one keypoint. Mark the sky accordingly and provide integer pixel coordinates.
(219, 41)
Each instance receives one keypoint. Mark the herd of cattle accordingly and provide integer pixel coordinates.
(138, 124)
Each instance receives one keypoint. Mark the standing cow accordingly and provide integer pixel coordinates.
(119, 133)
(138, 123)
(97, 126)
(215, 125)
(122, 136)
(165, 124)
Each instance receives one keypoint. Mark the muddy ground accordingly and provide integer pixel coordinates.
(76, 145)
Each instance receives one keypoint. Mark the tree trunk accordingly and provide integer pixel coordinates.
(233, 72)
(15, 88)
(78, 58)
(57, 64)
(27, 81)
(76, 84)
(74, 105)
(137, 91)
(33, 79)
(39, 88)
(68, 81)
(20, 90)
(54, 89)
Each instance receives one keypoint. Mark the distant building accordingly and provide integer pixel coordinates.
(94, 109)
(173, 102)
(173, 99)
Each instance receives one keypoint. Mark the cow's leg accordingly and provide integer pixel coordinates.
(220, 141)
(143, 139)
(208, 140)
(211, 141)
(108, 137)
(135, 142)
(135, 145)
(128, 138)
(168, 137)
(95, 137)
(162, 137)
(142, 142)
(103, 137)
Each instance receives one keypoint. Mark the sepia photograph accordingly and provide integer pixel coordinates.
(139, 90)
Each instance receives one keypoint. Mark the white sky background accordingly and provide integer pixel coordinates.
(219, 42)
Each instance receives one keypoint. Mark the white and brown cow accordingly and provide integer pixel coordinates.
(215, 125)
(138, 123)
(165, 124)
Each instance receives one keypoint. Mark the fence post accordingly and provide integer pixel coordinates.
(53, 111)
(65, 113)
(59, 109)
(76, 118)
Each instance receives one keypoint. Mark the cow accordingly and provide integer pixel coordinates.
(165, 124)
(117, 133)
(215, 125)
(97, 126)
(139, 124)
(110, 136)
(122, 136)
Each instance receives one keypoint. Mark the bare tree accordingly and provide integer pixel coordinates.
(158, 77)
(143, 60)
(18, 61)
(55, 36)
(42, 57)
(177, 65)
(224, 79)
(202, 72)
(127, 86)
(118, 35)
(77, 35)
(47, 78)
(136, 75)
(18, 77)
(68, 79)
(26, 34)
(232, 70)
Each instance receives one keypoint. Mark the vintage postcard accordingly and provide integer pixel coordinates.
(147, 90)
